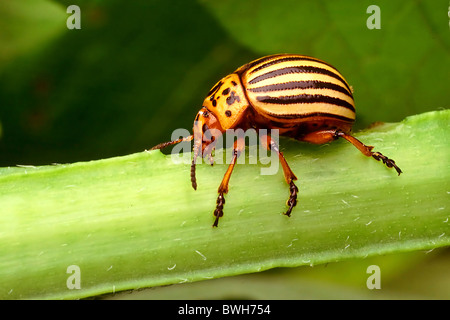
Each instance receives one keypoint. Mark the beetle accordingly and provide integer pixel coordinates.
(303, 97)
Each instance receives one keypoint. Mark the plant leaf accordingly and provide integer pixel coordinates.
(134, 221)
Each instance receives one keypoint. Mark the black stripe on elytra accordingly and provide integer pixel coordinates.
(311, 115)
(305, 98)
(295, 58)
(215, 88)
(313, 84)
(260, 60)
(298, 69)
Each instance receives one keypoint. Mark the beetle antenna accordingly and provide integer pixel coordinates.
(197, 146)
(170, 143)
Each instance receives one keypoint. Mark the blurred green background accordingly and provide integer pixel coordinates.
(137, 70)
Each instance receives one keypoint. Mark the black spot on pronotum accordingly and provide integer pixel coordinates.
(233, 97)
(234, 83)
(226, 91)
(214, 103)
(215, 89)
(228, 113)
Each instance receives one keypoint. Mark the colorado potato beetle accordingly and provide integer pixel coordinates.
(303, 97)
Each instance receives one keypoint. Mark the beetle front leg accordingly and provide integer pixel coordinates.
(290, 177)
(239, 145)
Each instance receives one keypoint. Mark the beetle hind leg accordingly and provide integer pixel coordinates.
(388, 162)
(367, 150)
(325, 136)
(292, 201)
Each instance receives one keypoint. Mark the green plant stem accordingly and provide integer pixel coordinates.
(134, 221)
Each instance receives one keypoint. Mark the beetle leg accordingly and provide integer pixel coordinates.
(290, 177)
(239, 145)
(329, 135)
(367, 150)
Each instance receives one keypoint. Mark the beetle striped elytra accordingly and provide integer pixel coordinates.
(303, 97)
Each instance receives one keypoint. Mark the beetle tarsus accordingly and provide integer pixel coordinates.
(219, 209)
(388, 162)
(292, 201)
(193, 180)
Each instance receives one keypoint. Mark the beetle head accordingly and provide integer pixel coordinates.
(206, 131)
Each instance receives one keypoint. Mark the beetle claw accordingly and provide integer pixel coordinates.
(219, 209)
(292, 201)
(388, 162)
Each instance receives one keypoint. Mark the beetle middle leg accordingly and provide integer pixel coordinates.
(239, 145)
(290, 177)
